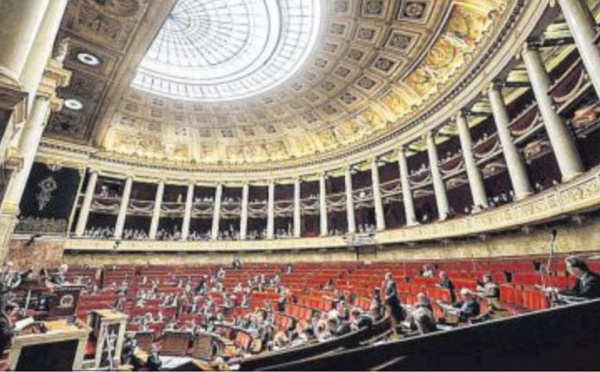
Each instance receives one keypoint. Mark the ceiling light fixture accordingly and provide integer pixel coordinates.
(73, 104)
(88, 59)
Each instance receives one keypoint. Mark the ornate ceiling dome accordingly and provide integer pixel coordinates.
(222, 50)
(233, 85)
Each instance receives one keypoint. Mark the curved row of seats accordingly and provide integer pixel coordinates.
(516, 277)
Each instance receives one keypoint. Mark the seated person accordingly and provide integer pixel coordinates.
(587, 284)
(469, 307)
(6, 325)
(280, 340)
(57, 279)
(376, 308)
(129, 349)
(153, 363)
(427, 272)
(358, 319)
(423, 320)
(446, 283)
(488, 289)
(423, 302)
(342, 328)
(322, 330)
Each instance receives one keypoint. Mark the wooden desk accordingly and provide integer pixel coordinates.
(209, 345)
(59, 332)
(104, 323)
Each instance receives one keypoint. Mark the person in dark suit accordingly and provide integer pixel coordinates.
(6, 331)
(587, 284)
(358, 319)
(446, 283)
(392, 302)
(153, 363)
(343, 328)
(376, 308)
(128, 351)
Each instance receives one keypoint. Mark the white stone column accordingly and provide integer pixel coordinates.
(75, 205)
(514, 162)
(473, 173)
(26, 144)
(41, 50)
(244, 216)
(187, 216)
(120, 225)
(377, 199)
(323, 205)
(350, 215)
(439, 187)
(84, 212)
(271, 211)
(19, 25)
(583, 28)
(160, 192)
(563, 145)
(297, 208)
(30, 139)
(407, 197)
(217, 212)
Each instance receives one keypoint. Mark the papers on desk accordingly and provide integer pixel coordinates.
(444, 327)
(571, 299)
(173, 363)
(21, 324)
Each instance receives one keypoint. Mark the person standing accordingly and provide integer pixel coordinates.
(392, 302)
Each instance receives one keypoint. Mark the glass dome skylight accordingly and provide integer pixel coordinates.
(217, 50)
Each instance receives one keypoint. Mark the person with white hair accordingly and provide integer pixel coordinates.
(464, 310)
(468, 307)
(57, 278)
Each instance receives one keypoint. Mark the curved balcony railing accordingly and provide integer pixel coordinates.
(581, 194)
